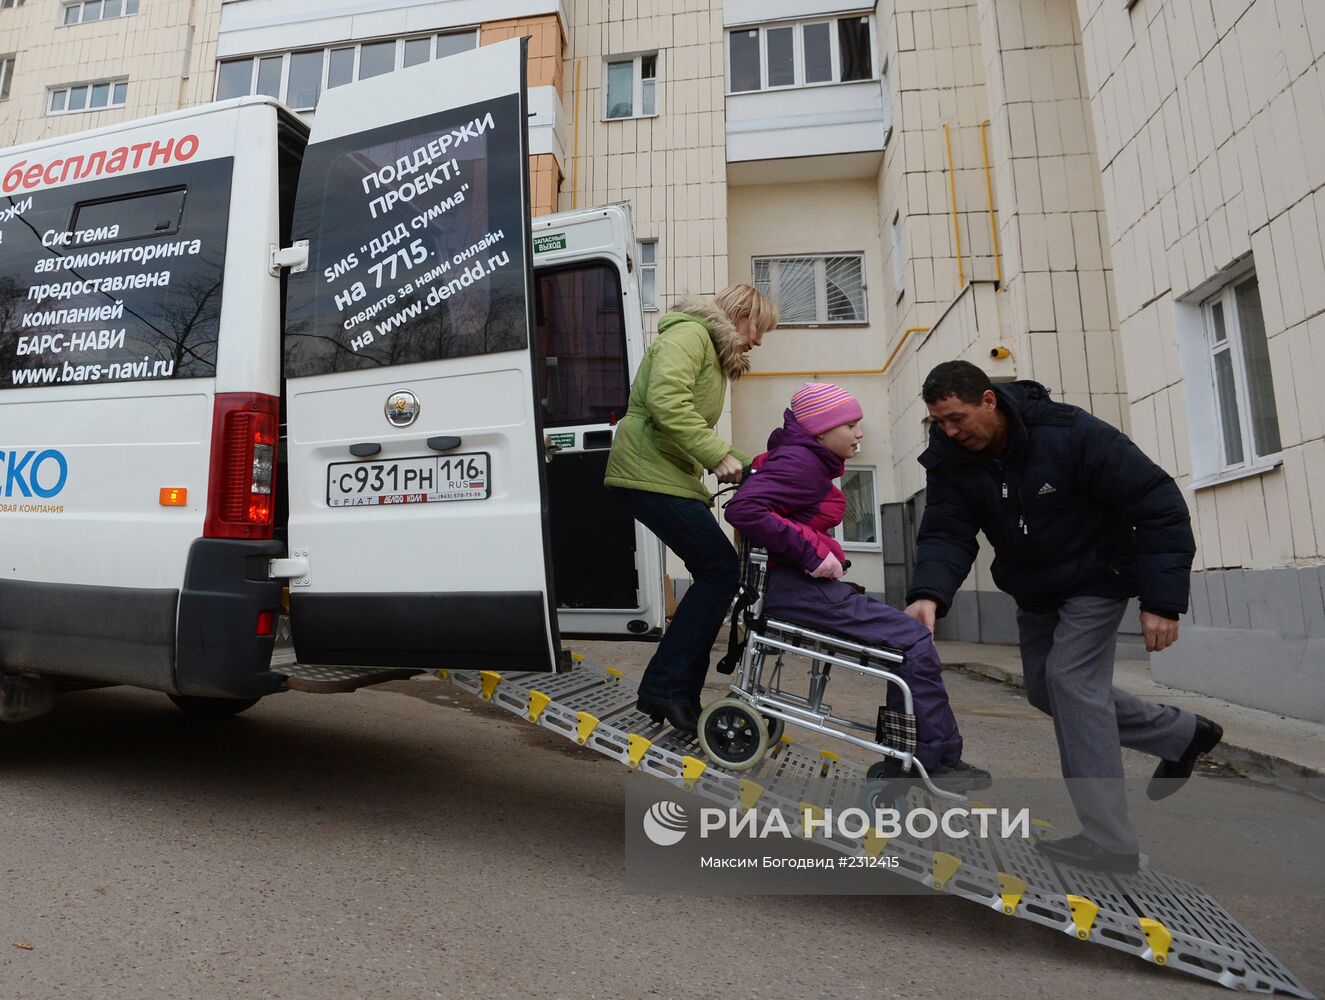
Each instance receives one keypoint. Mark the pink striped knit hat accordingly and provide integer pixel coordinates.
(821, 406)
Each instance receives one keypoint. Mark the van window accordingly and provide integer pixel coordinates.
(416, 245)
(131, 217)
(105, 282)
(581, 329)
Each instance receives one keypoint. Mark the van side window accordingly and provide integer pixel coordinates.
(136, 216)
(581, 329)
(114, 280)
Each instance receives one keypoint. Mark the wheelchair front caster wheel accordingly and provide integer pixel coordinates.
(775, 727)
(880, 795)
(733, 734)
(884, 770)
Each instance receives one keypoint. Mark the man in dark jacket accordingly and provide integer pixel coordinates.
(1080, 520)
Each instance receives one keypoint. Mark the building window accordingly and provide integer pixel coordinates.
(97, 10)
(631, 87)
(298, 78)
(88, 97)
(860, 525)
(10, 4)
(648, 274)
(899, 257)
(814, 290)
(1240, 372)
(6, 76)
(800, 54)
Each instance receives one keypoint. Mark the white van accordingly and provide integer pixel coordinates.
(235, 354)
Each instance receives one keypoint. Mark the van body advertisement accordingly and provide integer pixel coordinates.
(417, 248)
(114, 280)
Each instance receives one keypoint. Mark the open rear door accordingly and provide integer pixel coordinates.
(416, 478)
(590, 334)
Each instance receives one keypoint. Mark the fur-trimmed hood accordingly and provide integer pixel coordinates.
(727, 339)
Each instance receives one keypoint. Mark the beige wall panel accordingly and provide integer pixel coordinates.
(1211, 120)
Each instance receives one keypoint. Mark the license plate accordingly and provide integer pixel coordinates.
(423, 479)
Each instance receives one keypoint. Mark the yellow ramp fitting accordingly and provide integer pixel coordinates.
(945, 867)
(538, 701)
(443, 675)
(489, 679)
(1084, 912)
(873, 843)
(810, 811)
(1011, 889)
(636, 747)
(613, 673)
(691, 769)
(1159, 939)
(829, 758)
(584, 727)
(577, 657)
(750, 792)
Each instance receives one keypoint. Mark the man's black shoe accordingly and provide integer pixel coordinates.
(1081, 852)
(977, 776)
(1173, 774)
(960, 777)
(681, 717)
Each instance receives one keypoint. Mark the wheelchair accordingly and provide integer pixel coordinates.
(738, 731)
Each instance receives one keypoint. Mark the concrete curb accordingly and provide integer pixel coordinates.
(1255, 765)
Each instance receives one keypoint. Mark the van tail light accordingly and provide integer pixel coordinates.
(241, 487)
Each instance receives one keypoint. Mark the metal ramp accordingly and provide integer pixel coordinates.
(1159, 919)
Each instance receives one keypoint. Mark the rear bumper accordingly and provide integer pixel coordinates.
(471, 631)
(226, 587)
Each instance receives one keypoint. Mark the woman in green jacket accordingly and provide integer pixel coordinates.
(664, 443)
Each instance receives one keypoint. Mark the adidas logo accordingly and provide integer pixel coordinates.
(1046, 489)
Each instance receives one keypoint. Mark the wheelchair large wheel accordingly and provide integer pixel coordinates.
(733, 734)
(775, 727)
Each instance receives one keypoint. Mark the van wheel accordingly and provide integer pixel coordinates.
(211, 709)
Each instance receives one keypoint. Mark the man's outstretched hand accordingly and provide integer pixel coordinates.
(925, 611)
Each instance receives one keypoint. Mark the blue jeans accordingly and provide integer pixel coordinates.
(676, 673)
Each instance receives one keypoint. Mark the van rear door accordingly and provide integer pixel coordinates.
(416, 473)
(590, 334)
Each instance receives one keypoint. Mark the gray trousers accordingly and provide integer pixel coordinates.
(1067, 660)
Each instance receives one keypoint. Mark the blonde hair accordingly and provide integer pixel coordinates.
(741, 302)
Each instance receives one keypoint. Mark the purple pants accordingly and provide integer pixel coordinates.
(832, 606)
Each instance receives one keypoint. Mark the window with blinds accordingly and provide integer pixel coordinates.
(814, 290)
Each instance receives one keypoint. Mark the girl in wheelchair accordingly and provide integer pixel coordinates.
(788, 508)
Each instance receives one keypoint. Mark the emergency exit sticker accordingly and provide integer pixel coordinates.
(552, 241)
(562, 440)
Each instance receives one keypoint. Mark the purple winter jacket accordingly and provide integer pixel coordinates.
(790, 503)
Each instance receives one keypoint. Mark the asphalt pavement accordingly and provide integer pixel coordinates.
(408, 841)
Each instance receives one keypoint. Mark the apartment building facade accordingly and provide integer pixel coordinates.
(1117, 198)
(70, 65)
